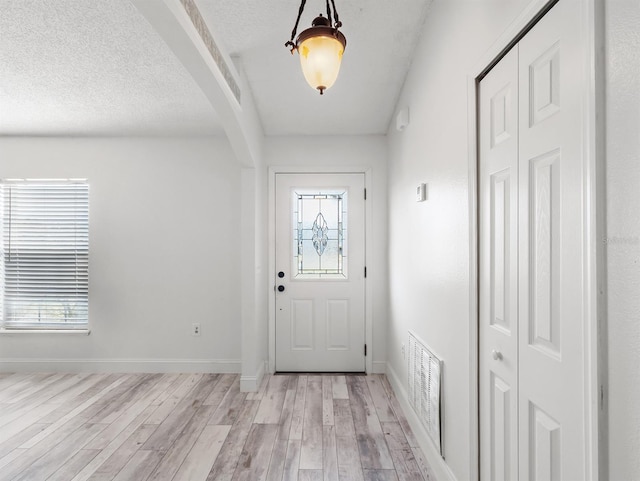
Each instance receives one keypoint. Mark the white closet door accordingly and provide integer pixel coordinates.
(499, 270)
(531, 256)
(551, 396)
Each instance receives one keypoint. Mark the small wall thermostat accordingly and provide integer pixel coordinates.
(421, 193)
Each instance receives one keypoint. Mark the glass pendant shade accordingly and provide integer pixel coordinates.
(320, 58)
(321, 48)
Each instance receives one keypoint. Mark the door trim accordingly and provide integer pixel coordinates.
(368, 234)
(594, 261)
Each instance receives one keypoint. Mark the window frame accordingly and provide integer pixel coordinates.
(55, 271)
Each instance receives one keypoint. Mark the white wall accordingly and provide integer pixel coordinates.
(429, 241)
(263, 283)
(164, 253)
(623, 235)
(361, 152)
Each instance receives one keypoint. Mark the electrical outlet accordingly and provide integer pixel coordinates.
(195, 329)
(403, 352)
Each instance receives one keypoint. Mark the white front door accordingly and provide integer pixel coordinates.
(531, 184)
(320, 272)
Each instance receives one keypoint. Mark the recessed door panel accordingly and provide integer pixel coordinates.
(500, 255)
(338, 325)
(544, 78)
(545, 245)
(502, 115)
(502, 454)
(302, 324)
(544, 446)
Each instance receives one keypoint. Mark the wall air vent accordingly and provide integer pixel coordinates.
(198, 22)
(425, 371)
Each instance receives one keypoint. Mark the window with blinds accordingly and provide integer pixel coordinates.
(44, 263)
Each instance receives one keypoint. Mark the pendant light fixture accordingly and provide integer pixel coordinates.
(320, 48)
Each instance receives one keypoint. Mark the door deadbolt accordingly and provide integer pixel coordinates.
(280, 288)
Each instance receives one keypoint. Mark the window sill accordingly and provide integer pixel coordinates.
(78, 332)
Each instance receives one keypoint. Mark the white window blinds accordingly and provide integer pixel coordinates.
(44, 261)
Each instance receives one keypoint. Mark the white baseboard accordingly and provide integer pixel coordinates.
(379, 367)
(440, 467)
(122, 365)
(252, 383)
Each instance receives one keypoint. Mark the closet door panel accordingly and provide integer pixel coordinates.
(498, 204)
(551, 390)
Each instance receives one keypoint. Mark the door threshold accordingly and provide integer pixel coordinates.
(320, 373)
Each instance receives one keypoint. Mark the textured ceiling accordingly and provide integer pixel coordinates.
(89, 67)
(96, 67)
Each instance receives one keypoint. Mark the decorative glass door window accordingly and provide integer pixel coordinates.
(319, 234)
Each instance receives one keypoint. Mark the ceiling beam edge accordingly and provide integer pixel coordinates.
(241, 123)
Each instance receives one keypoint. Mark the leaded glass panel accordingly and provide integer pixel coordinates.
(319, 233)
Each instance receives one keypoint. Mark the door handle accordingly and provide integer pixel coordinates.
(280, 274)
(497, 355)
(280, 288)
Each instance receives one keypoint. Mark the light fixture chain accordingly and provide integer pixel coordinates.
(295, 27)
(329, 13)
(337, 22)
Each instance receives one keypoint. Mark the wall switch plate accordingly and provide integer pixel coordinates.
(195, 329)
(402, 119)
(421, 193)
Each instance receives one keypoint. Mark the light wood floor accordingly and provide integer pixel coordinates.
(194, 427)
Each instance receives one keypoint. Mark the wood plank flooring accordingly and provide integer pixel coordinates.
(192, 427)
